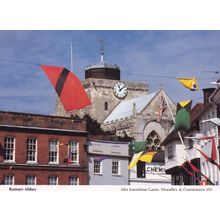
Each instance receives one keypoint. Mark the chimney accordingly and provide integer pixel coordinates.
(207, 92)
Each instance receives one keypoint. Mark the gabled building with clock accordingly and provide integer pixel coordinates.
(106, 90)
(123, 106)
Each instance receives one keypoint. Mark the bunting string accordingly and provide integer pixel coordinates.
(18, 61)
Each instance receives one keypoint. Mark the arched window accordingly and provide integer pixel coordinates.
(153, 140)
(106, 106)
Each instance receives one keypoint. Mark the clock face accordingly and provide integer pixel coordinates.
(120, 90)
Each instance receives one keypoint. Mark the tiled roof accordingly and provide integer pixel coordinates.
(196, 110)
(125, 108)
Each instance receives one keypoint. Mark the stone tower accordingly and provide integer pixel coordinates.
(105, 89)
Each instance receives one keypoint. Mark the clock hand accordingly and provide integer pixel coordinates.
(121, 88)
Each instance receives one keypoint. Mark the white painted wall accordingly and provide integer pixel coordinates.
(209, 129)
(179, 155)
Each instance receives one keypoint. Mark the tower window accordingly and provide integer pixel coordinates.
(106, 106)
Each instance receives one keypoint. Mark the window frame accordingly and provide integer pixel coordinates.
(100, 167)
(77, 180)
(118, 168)
(57, 151)
(14, 147)
(13, 177)
(35, 180)
(153, 140)
(74, 162)
(170, 155)
(190, 143)
(35, 152)
(57, 180)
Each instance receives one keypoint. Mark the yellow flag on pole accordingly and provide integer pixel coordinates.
(134, 160)
(148, 157)
(190, 83)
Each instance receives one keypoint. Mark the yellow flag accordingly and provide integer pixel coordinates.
(190, 83)
(184, 103)
(134, 160)
(148, 157)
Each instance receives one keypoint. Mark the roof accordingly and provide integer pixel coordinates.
(196, 110)
(108, 142)
(111, 148)
(125, 108)
(39, 122)
(211, 98)
(215, 121)
(102, 65)
(173, 135)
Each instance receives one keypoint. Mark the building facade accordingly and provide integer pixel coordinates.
(140, 117)
(108, 163)
(178, 152)
(42, 150)
(150, 173)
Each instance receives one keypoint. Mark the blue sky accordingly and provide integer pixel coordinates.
(141, 55)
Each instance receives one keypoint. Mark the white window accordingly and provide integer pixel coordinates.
(31, 180)
(53, 151)
(9, 146)
(53, 180)
(74, 180)
(190, 143)
(170, 152)
(115, 168)
(9, 180)
(74, 152)
(32, 149)
(97, 167)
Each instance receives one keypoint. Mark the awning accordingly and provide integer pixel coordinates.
(215, 121)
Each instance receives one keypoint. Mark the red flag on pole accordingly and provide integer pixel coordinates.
(214, 153)
(68, 87)
(209, 158)
(190, 173)
(194, 168)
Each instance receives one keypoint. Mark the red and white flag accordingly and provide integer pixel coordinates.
(68, 87)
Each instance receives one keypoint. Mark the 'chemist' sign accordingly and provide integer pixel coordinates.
(154, 169)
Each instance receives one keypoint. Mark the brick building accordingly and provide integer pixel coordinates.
(42, 150)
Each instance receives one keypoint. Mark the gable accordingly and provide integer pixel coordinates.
(153, 106)
(125, 108)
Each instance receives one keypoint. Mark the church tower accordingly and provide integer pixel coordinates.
(105, 89)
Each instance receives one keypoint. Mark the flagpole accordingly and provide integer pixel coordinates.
(181, 139)
(71, 56)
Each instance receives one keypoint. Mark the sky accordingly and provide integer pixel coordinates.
(154, 57)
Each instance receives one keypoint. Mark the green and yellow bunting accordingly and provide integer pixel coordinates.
(135, 159)
(182, 121)
(138, 146)
(147, 157)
